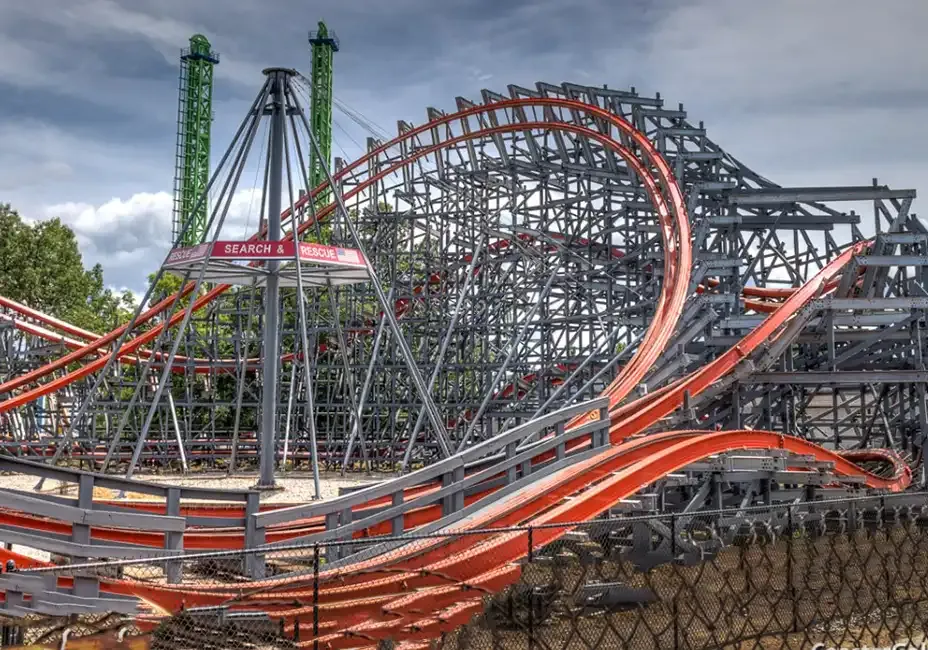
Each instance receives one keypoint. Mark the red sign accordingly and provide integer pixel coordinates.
(253, 250)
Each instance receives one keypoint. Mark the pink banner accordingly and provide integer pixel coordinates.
(187, 254)
(331, 255)
(267, 250)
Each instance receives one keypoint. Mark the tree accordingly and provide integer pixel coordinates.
(168, 285)
(41, 266)
(102, 310)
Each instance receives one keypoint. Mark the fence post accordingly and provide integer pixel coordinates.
(316, 596)
(790, 586)
(531, 593)
(676, 593)
(886, 525)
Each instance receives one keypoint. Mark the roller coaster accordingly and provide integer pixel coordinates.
(542, 308)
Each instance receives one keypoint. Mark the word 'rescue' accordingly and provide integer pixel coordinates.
(186, 254)
(247, 249)
(317, 252)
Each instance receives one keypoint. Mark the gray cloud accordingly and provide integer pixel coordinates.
(806, 93)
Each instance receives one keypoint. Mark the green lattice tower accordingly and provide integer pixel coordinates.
(194, 119)
(324, 45)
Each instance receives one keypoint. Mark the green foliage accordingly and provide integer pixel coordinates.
(41, 266)
(319, 234)
(102, 310)
(168, 285)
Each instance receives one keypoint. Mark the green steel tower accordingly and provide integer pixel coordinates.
(194, 119)
(324, 45)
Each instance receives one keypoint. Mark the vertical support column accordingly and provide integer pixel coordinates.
(173, 540)
(768, 419)
(457, 500)
(600, 437)
(717, 502)
(333, 520)
(84, 586)
(446, 501)
(834, 415)
(765, 490)
(397, 524)
(272, 291)
(512, 470)
(345, 517)
(526, 465)
(736, 405)
(254, 537)
(333, 551)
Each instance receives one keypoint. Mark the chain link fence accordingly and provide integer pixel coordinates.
(842, 574)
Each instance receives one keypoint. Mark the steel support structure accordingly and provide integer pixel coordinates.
(524, 266)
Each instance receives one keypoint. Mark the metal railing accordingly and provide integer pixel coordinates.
(494, 463)
(82, 513)
(843, 573)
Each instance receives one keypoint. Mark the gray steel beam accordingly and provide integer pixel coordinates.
(847, 378)
(892, 260)
(279, 80)
(780, 195)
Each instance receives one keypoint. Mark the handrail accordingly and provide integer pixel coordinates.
(83, 513)
(77, 515)
(426, 474)
(70, 475)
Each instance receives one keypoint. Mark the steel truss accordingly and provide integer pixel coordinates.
(523, 266)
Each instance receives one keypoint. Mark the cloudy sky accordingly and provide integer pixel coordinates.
(806, 93)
